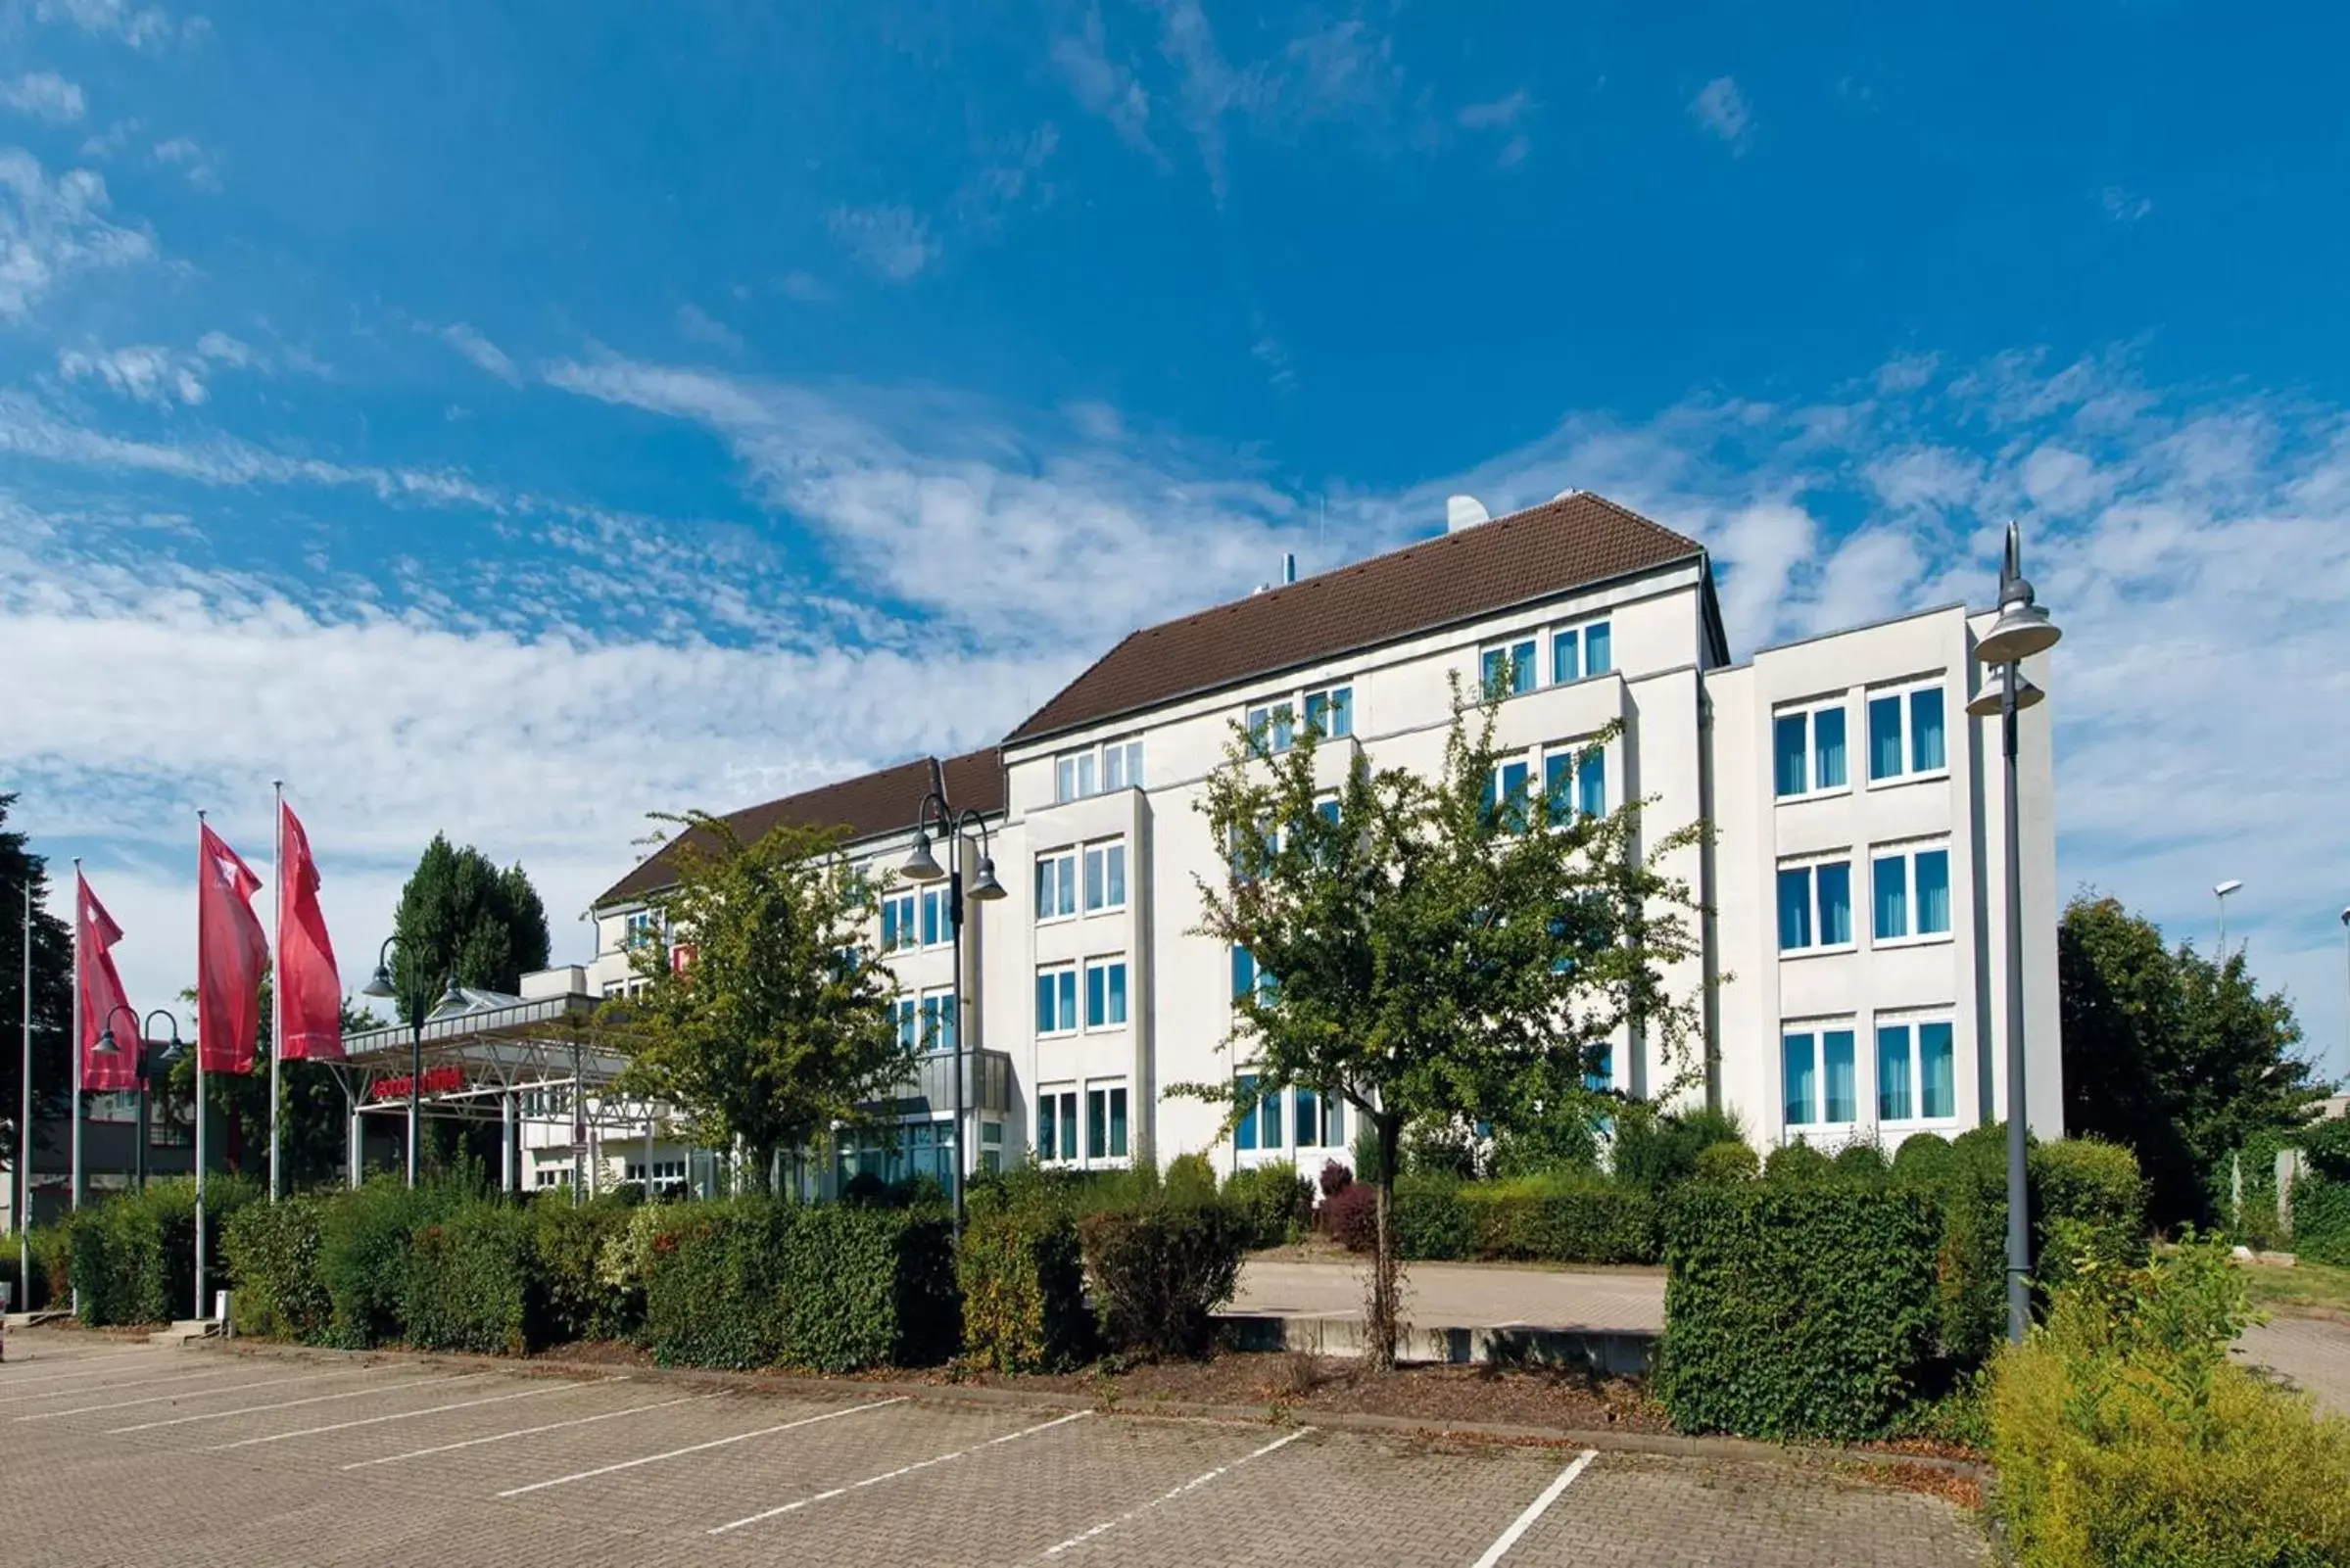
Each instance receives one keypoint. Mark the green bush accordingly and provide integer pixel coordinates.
(271, 1252)
(1560, 1218)
(2321, 1219)
(1923, 1156)
(1797, 1161)
(1023, 1276)
(1191, 1176)
(1727, 1163)
(2088, 1202)
(1160, 1270)
(50, 1248)
(133, 1256)
(364, 1238)
(472, 1283)
(1657, 1151)
(1796, 1307)
(569, 1241)
(1861, 1161)
(2124, 1435)
(1275, 1202)
(1430, 1220)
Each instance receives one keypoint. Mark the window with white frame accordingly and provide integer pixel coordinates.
(1818, 1074)
(1271, 726)
(1056, 885)
(908, 1033)
(1582, 650)
(938, 917)
(1807, 751)
(1057, 999)
(640, 929)
(1105, 993)
(1909, 892)
(1260, 1125)
(899, 930)
(936, 1022)
(1105, 876)
(1815, 905)
(1319, 1118)
(1508, 668)
(1905, 733)
(1248, 977)
(1097, 770)
(1331, 711)
(1507, 794)
(1106, 1120)
(1574, 782)
(1057, 1125)
(1917, 1069)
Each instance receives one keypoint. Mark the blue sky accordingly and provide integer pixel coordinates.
(508, 419)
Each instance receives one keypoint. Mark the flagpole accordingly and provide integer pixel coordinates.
(24, 1124)
(73, 1193)
(202, 871)
(277, 982)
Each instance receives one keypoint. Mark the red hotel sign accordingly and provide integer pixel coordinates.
(437, 1080)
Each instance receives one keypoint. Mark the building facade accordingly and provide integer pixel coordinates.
(1850, 975)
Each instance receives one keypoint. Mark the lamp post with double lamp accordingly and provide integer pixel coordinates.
(2022, 630)
(144, 1067)
(922, 867)
(380, 985)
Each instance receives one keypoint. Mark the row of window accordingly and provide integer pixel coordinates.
(1317, 1120)
(1097, 770)
(1105, 1130)
(1905, 739)
(927, 1022)
(1104, 881)
(1272, 723)
(1105, 992)
(1574, 782)
(911, 919)
(1576, 652)
(1909, 898)
(1916, 1072)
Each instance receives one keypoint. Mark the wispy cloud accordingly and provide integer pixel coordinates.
(1499, 113)
(1722, 109)
(892, 240)
(479, 349)
(53, 228)
(1010, 177)
(1268, 350)
(44, 95)
(187, 155)
(1102, 86)
(696, 325)
(140, 26)
(805, 287)
(2124, 206)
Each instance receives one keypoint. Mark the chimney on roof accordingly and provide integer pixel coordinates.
(1464, 511)
(1288, 566)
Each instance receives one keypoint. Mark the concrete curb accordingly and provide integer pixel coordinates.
(1609, 1440)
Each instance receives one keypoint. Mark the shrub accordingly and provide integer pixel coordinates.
(472, 1283)
(568, 1242)
(1160, 1271)
(710, 1290)
(1727, 1163)
(2123, 1435)
(1335, 1178)
(2088, 1202)
(363, 1255)
(1923, 1155)
(1022, 1277)
(1797, 1161)
(1274, 1204)
(1560, 1218)
(1352, 1217)
(271, 1252)
(1795, 1309)
(1430, 1219)
(1191, 1177)
(1561, 1140)
(1657, 1151)
(1441, 1150)
(2321, 1219)
(1861, 1161)
(133, 1256)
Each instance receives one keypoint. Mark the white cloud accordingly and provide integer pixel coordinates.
(1514, 152)
(184, 154)
(112, 141)
(143, 373)
(481, 350)
(1722, 109)
(696, 325)
(805, 287)
(139, 26)
(44, 95)
(1009, 178)
(2124, 206)
(1499, 115)
(53, 228)
(1102, 86)
(889, 240)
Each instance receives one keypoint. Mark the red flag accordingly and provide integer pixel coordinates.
(230, 954)
(103, 1004)
(309, 992)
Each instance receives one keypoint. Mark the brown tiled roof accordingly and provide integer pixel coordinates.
(1517, 559)
(866, 806)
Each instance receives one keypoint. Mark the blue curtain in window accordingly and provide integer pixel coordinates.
(1118, 1124)
(1836, 903)
(1938, 1068)
(1599, 1073)
(1591, 784)
(1268, 1121)
(1489, 668)
(905, 1024)
(1789, 772)
(1342, 711)
(1835, 1054)
(1098, 996)
(1828, 748)
(1799, 1066)
(1097, 1123)
(1795, 909)
(1318, 712)
(946, 1023)
(1885, 737)
(890, 920)
(1598, 654)
(1889, 885)
(1557, 786)
(1044, 1004)
(1934, 890)
(1244, 1133)
(1926, 731)
(1522, 670)
(1069, 998)
(1118, 994)
(1895, 1098)
(1307, 1122)
(1566, 659)
(1244, 973)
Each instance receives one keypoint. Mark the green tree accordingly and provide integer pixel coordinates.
(52, 989)
(314, 1127)
(1434, 952)
(2177, 1056)
(459, 913)
(777, 1026)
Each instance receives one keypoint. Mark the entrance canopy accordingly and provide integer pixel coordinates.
(489, 1044)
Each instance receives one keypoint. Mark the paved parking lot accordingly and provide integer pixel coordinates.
(119, 1456)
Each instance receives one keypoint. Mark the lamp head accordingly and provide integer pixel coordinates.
(2346, 914)
(454, 996)
(2023, 628)
(920, 865)
(105, 1035)
(983, 886)
(1988, 703)
(2223, 889)
(379, 984)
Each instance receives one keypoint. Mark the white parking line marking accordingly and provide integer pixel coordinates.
(892, 1475)
(406, 1415)
(78, 1388)
(289, 1404)
(525, 1432)
(100, 1365)
(185, 1394)
(1192, 1485)
(715, 1442)
(1534, 1510)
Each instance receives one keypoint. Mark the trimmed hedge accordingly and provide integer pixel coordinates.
(1023, 1275)
(1796, 1307)
(2321, 1219)
(570, 1242)
(133, 1256)
(473, 1283)
(271, 1252)
(1160, 1270)
(364, 1250)
(1275, 1202)
(1562, 1219)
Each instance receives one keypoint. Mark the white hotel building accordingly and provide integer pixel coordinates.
(1851, 975)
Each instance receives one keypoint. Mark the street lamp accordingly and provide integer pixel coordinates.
(922, 867)
(2023, 629)
(2219, 895)
(143, 1066)
(380, 985)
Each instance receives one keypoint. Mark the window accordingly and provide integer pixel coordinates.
(1056, 999)
(1319, 1119)
(906, 1035)
(1057, 1126)
(1105, 876)
(1246, 976)
(1331, 713)
(1911, 894)
(1273, 727)
(1509, 669)
(1106, 1121)
(1260, 1126)
(938, 917)
(1818, 1076)
(937, 1020)
(1905, 733)
(899, 931)
(1574, 782)
(1056, 885)
(1121, 765)
(1808, 751)
(1093, 771)
(642, 929)
(1815, 906)
(1916, 1072)
(1506, 795)
(1580, 651)
(1105, 993)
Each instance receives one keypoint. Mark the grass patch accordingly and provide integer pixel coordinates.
(2305, 1285)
